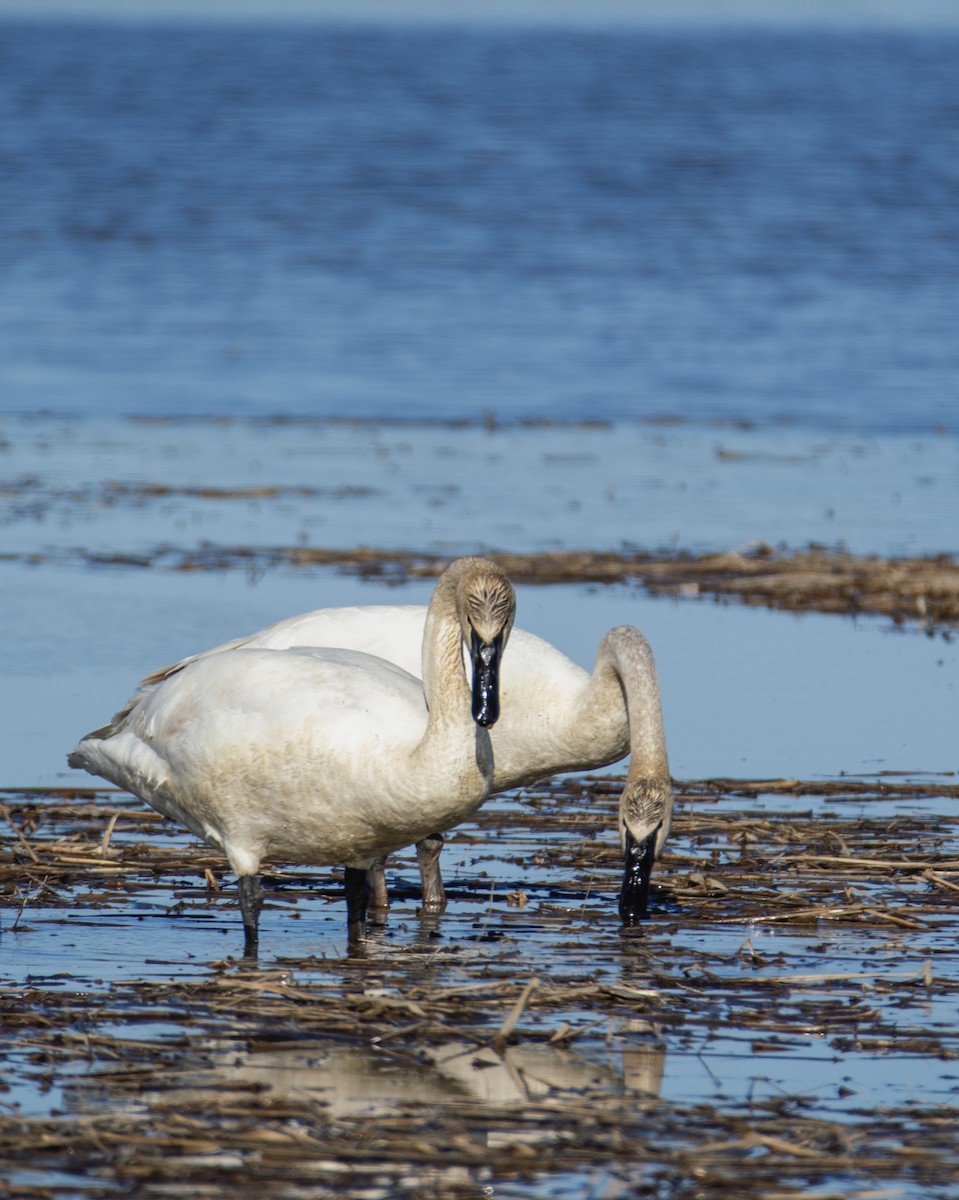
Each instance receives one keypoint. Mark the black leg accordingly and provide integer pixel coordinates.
(357, 900)
(428, 857)
(376, 877)
(251, 901)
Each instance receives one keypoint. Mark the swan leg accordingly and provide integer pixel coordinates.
(638, 869)
(376, 877)
(251, 901)
(428, 858)
(357, 901)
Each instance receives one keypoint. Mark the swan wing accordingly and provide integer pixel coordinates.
(301, 755)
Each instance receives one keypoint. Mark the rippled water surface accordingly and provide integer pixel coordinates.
(446, 289)
(818, 1012)
(423, 221)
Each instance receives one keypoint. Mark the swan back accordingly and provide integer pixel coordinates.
(542, 728)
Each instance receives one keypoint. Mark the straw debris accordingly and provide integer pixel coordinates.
(494, 1045)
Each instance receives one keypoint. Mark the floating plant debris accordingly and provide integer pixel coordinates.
(782, 1026)
(918, 590)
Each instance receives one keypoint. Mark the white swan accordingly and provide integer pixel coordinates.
(556, 717)
(321, 755)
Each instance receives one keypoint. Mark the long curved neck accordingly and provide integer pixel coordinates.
(452, 740)
(646, 805)
(444, 682)
(624, 682)
(444, 674)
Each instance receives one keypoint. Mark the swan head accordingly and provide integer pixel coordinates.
(645, 811)
(486, 607)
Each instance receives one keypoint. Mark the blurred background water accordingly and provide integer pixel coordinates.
(396, 220)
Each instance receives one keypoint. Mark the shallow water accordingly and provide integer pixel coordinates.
(729, 257)
(98, 516)
(95, 514)
(745, 693)
(713, 1013)
(115, 487)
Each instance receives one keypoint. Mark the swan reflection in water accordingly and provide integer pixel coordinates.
(357, 1081)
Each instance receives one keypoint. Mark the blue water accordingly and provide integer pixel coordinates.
(430, 222)
(714, 233)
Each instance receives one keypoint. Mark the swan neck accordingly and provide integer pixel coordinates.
(452, 742)
(625, 665)
(445, 684)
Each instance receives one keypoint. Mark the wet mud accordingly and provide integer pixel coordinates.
(782, 1025)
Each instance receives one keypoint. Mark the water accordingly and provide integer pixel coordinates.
(112, 486)
(439, 221)
(720, 264)
(745, 693)
(720, 1016)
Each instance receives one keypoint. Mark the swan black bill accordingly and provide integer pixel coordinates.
(485, 657)
(638, 870)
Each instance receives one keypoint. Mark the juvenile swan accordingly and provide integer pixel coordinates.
(556, 717)
(317, 755)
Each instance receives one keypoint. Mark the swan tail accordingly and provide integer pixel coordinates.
(122, 759)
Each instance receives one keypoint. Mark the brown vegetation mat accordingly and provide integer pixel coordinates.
(923, 590)
(516, 1046)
